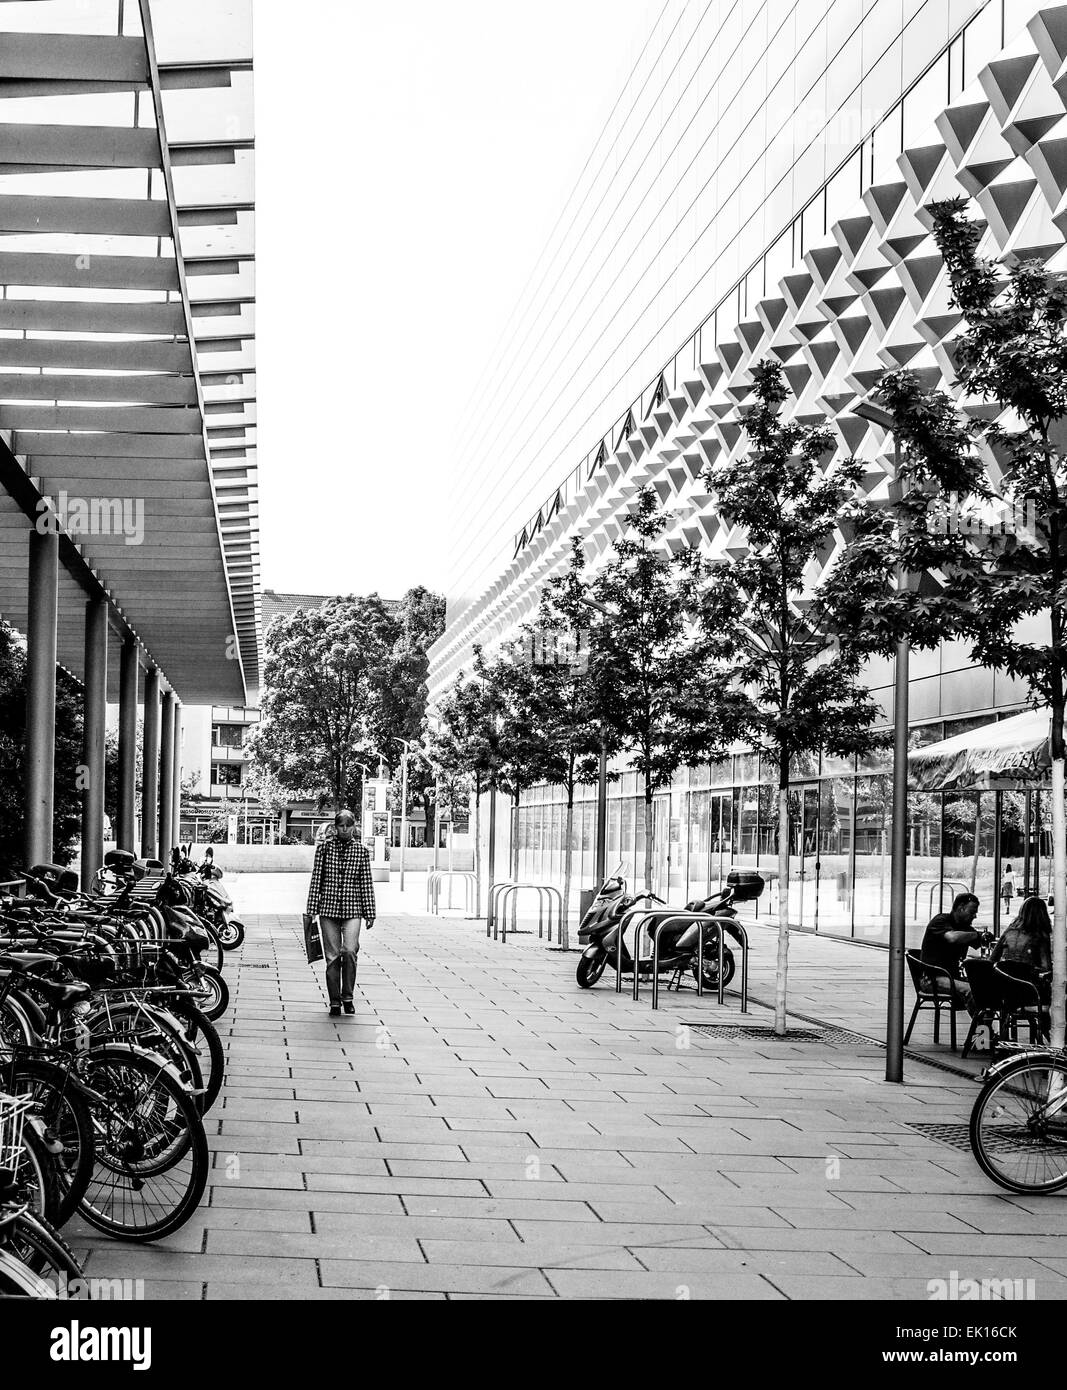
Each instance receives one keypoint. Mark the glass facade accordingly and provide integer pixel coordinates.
(839, 840)
(747, 128)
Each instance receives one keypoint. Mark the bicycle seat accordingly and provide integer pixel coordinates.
(29, 962)
(65, 995)
(121, 860)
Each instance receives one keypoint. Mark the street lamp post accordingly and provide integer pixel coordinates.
(894, 1041)
(601, 866)
(408, 751)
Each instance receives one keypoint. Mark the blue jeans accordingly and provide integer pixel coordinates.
(340, 946)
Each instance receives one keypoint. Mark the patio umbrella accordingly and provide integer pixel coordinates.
(1006, 755)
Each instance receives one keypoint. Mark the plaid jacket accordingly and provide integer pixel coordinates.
(341, 882)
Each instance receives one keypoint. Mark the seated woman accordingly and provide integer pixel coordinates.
(1028, 941)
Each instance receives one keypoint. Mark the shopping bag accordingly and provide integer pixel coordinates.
(312, 939)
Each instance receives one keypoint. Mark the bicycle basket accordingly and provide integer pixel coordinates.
(12, 1116)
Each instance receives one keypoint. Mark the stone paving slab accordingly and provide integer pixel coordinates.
(485, 1129)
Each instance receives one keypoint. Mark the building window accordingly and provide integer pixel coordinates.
(228, 735)
(226, 774)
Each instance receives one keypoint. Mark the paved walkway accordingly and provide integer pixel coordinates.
(483, 1128)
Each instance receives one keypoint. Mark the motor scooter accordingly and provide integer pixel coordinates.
(214, 901)
(678, 931)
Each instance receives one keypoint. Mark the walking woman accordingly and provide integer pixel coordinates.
(341, 893)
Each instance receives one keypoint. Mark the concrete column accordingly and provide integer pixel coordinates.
(129, 675)
(150, 770)
(166, 778)
(176, 776)
(43, 610)
(94, 709)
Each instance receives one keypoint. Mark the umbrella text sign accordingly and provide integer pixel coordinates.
(1009, 754)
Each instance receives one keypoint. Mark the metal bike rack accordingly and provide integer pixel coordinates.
(934, 885)
(437, 878)
(503, 895)
(686, 917)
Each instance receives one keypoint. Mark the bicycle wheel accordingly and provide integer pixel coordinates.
(68, 1133)
(1019, 1125)
(152, 1154)
(216, 996)
(200, 1033)
(17, 1280)
(35, 1176)
(43, 1250)
(151, 1029)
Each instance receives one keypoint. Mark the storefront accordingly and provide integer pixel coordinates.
(714, 817)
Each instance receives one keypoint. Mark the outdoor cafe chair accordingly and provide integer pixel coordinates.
(933, 989)
(990, 1007)
(1018, 985)
(998, 1004)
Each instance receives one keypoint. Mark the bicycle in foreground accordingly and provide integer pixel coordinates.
(1018, 1126)
(35, 1261)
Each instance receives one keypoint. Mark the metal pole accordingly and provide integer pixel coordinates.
(43, 612)
(176, 775)
(491, 869)
(94, 711)
(129, 676)
(437, 824)
(150, 770)
(166, 778)
(451, 860)
(403, 812)
(602, 811)
(894, 1050)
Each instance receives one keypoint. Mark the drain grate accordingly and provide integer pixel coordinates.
(955, 1136)
(251, 965)
(740, 1030)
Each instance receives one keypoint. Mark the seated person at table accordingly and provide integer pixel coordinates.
(948, 938)
(1028, 941)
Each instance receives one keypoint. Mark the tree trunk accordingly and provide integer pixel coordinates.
(568, 862)
(648, 842)
(1059, 891)
(477, 847)
(515, 838)
(782, 966)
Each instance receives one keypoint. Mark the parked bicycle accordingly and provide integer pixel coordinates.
(1018, 1126)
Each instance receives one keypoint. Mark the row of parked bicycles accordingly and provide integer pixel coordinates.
(109, 1056)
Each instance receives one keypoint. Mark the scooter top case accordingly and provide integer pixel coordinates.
(746, 885)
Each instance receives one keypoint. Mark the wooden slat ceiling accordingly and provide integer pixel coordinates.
(117, 275)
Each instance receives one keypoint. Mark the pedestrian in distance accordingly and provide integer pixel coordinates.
(341, 895)
(1007, 889)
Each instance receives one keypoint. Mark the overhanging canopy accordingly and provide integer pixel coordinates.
(127, 362)
(1008, 754)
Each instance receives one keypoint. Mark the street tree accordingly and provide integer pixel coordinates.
(461, 747)
(320, 679)
(566, 711)
(652, 665)
(342, 683)
(982, 510)
(66, 806)
(797, 685)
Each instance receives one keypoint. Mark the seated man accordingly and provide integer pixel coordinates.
(948, 938)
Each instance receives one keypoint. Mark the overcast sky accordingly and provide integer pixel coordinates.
(411, 160)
